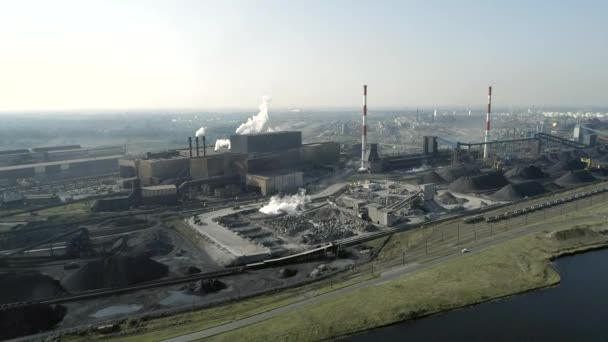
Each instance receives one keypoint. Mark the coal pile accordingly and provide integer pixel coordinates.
(448, 198)
(526, 172)
(513, 192)
(289, 225)
(154, 242)
(284, 273)
(452, 173)
(204, 286)
(484, 182)
(594, 152)
(568, 165)
(28, 286)
(115, 272)
(543, 160)
(574, 178)
(431, 177)
(27, 319)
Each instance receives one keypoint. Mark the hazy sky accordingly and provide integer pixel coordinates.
(206, 54)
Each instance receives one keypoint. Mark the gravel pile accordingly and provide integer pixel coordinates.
(115, 272)
(448, 198)
(28, 286)
(289, 225)
(327, 231)
(513, 192)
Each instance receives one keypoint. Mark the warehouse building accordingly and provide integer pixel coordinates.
(59, 162)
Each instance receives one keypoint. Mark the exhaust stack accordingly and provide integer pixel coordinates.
(204, 146)
(190, 146)
(364, 131)
(487, 137)
(197, 147)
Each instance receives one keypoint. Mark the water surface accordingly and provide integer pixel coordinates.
(575, 310)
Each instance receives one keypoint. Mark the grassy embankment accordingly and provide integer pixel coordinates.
(516, 266)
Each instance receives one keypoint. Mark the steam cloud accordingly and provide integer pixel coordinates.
(287, 204)
(257, 123)
(200, 132)
(219, 143)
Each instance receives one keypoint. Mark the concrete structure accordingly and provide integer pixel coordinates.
(244, 250)
(159, 194)
(156, 168)
(381, 215)
(267, 142)
(578, 133)
(428, 191)
(371, 159)
(353, 203)
(276, 182)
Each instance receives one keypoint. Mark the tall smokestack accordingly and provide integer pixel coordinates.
(364, 131)
(487, 138)
(190, 145)
(197, 148)
(204, 146)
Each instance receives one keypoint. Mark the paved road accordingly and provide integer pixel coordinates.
(447, 242)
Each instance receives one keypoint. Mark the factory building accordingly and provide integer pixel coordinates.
(264, 161)
(59, 162)
(276, 182)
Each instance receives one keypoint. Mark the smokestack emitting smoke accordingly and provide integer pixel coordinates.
(200, 132)
(219, 143)
(287, 204)
(487, 137)
(197, 148)
(257, 123)
(364, 130)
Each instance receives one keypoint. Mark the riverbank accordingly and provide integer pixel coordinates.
(514, 267)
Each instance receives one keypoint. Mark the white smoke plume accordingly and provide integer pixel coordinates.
(200, 132)
(257, 123)
(287, 204)
(219, 143)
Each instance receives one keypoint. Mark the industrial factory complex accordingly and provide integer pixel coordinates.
(92, 235)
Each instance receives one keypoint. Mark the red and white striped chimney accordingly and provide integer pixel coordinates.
(364, 130)
(487, 138)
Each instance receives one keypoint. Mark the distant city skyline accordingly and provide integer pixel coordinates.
(162, 54)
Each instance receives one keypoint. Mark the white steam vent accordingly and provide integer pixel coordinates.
(287, 204)
(201, 132)
(258, 123)
(219, 143)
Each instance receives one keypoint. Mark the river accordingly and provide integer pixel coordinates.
(575, 310)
